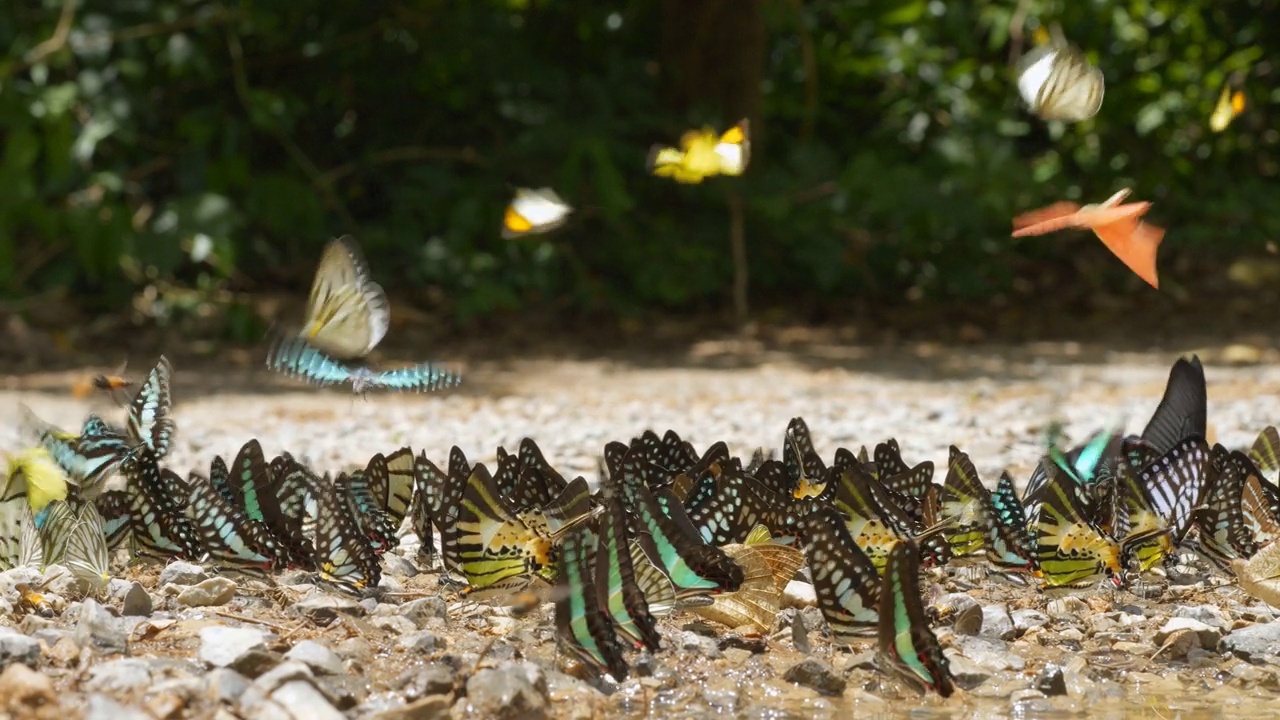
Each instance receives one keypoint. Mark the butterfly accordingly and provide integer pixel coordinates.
(616, 586)
(86, 552)
(150, 421)
(89, 458)
(33, 474)
(844, 580)
(293, 357)
(533, 212)
(1057, 83)
(343, 556)
(233, 541)
(1118, 226)
(1230, 104)
(906, 645)
(702, 154)
(1183, 410)
(347, 313)
(582, 624)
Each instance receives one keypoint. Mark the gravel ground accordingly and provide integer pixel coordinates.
(243, 657)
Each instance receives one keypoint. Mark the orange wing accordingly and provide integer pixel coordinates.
(1045, 220)
(1135, 243)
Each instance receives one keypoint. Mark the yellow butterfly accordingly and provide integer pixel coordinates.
(1230, 104)
(703, 154)
(34, 473)
(347, 314)
(1057, 83)
(533, 212)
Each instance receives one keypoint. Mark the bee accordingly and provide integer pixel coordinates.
(702, 154)
(33, 602)
(534, 211)
(1117, 225)
(114, 385)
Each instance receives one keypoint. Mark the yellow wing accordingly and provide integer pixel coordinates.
(35, 474)
(1230, 104)
(348, 313)
(702, 154)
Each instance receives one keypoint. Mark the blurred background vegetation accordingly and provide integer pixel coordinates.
(181, 159)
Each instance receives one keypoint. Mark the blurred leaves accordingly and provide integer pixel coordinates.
(134, 133)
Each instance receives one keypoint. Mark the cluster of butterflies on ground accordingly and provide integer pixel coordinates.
(667, 529)
(1056, 82)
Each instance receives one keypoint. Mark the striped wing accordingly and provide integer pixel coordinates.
(423, 377)
(343, 556)
(395, 491)
(150, 421)
(347, 313)
(86, 550)
(583, 627)
(906, 645)
(294, 357)
(844, 580)
(231, 539)
(616, 587)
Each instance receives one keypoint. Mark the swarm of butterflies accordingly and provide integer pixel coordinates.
(668, 529)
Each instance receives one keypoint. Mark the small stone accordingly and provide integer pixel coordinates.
(100, 628)
(1252, 643)
(505, 694)
(396, 625)
(101, 707)
(423, 680)
(420, 641)
(424, 610)
(17, 648)
(816, 674)
(226, 685)
(799, 594)
(23, 691)
(356, 648)
(323, 609)
(993, 655)
(1208, 614)
(395, 566)
(1068, 609)
(208, 593)
(1024, 620)
(118, 677)
(997, 624)
(966, 672)
(317, 657)
(283, 673)
(432, 707)
(137, 601)
(1071, 634)
(700, 645)
(182, 573)
(222, 646)
(1206, 635)
(303, 700)
(1051, 681)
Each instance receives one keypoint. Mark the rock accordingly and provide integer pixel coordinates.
(356, 648)
(209, 593)
(432, 707)
(420, 641)
(395, 566)
(182, 573)
(816, 674)
(101, 629)
(423, 680)
(317, 657)
(997, 624)
(17, 648)
(1253, 643)
(1024, 620)
(395, 625)
(283, 673)
(799, 594)
(226, 685)
(223, 646)
(323, 609)
(1206, 635)
(101, 707)
(118, 677)
(967, 673)
(303, 700)
(700, 645)
(1068, 609)
(1051, 681)
(23, 691)
(423, 610)
(137, 602)
(1210, 615)
(506, 693)
(993, 655)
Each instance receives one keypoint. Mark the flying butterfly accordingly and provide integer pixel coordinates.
(702, 154)
(34, 475)
(532, 212)
(906, 645)
(1230, 104)
(1058, 83)
(1118, 226)
(347, 313)
(293, 357)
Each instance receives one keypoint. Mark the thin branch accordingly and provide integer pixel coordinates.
(810, 59)
(236, 50)
(1016, 22)
(56, 42)
(738, 244)
(409, 153)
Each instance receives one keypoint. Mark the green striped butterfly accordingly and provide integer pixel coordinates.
(1142, 531)
(616, 589)
(225, 532)
(844, 580)
(906, 645)
(394, 489)
(347, 313)
(582, 625)
(1265, 452)
(572, 506)
(965, 499)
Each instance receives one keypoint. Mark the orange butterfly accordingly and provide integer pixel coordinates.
(1119, 227)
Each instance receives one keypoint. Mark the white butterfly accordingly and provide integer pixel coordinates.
(1057, 83)
(534, 211)
(348, 313)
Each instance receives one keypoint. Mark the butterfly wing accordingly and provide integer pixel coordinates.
(424, 377)
(1135, 243)
(1046, 220)
(534, 211)
(293, 357)
(86, 550)
(348, 313)
(150, 422)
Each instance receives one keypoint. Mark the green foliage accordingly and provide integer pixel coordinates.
(890, 168)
